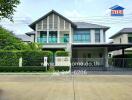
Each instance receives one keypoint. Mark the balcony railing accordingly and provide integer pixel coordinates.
(43, 40)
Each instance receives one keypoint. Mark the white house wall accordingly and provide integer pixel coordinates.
(123, 37)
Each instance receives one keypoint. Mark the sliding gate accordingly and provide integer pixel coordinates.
(88, 64)
(101, 64)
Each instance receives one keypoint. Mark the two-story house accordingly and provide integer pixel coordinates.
(124, 36)
(59, 33)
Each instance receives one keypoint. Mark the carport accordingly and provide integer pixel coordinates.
(98, 62)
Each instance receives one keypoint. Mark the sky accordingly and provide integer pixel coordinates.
(92, 11)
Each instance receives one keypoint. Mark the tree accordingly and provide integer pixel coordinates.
(9, 42)
(7, 8)
(35, 46)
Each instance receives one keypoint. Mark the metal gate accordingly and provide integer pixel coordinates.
(98, 64)
(88, 64)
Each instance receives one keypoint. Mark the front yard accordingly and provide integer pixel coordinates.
(55, 87)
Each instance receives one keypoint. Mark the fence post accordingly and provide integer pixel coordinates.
(20, 62)
(45, 62)
(106, 57)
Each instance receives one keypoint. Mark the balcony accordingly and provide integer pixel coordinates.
(43, 40)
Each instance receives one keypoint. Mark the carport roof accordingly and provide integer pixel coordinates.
(111, 47)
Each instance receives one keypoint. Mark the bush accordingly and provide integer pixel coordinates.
(30, 58)
(9, 58)
(62, 68)
(35, 58)
(62, 53)
(22, 69)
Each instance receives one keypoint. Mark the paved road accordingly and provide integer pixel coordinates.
(55, 87)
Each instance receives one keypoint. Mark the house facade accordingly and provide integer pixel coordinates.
(124, 36)
(56, 32)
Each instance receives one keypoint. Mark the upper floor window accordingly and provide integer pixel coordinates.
(97, 35)
(82, 36)
(129, 39)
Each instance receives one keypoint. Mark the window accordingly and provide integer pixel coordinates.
(52, 37)
(43, 37)
(82, 36)
(97, 35)
(66, 38)
(130, 39)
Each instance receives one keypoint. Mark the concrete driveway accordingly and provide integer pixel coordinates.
(55, 87)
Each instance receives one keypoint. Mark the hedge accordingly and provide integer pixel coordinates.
(62, 53)
(35, 58)
(30, 58)
(9, 58)
(22, 69)
(62, 68)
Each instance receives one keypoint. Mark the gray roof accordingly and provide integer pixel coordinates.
(24, 38)
(30, 33)
(81, 25)
(123, 31)
(85, 25)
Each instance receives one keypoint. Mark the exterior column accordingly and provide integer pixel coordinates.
(70, 34)
(101, 36)
(36, 33)
(92, 34)
(47, 29)
(58, 31)
(106, 57)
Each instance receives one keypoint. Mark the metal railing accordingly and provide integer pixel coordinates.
(53, 40)
(99, 64)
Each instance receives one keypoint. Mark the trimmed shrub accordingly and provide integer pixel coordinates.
(62, 53)
(22, 69)
(30, 58)
(62, 68)
(9, 58)
(35, 58)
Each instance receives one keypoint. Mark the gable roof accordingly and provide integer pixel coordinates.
(24, 38)
(84, 25)
(116, 7)
(123, 31)
(33, 24)
(30, 33)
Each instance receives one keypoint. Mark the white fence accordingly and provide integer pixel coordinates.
(62, 61)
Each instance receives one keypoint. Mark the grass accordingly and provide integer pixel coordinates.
(49, 87)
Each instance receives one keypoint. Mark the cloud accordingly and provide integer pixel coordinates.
(81, 3)
(20, 24)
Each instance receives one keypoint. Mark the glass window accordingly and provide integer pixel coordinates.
(97, 35)
(82, 36)
(130, 39)
(66, 38)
